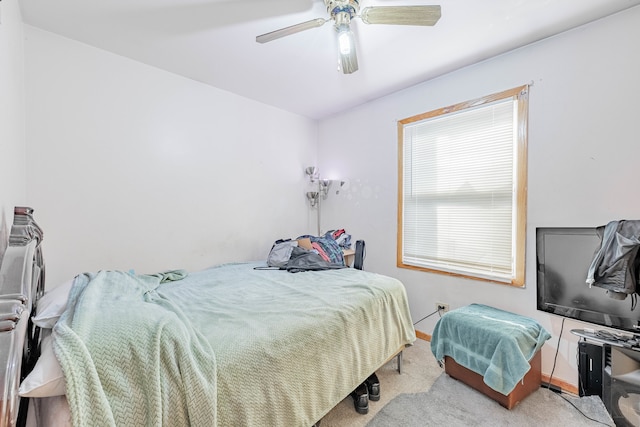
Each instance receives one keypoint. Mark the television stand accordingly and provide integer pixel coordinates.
(619, 372)
(625, 340)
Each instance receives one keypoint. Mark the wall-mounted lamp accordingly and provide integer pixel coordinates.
(323, 185)
(313, 197)
(312, 173)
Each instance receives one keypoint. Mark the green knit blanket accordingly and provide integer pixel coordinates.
(288, 347)
(131, 357)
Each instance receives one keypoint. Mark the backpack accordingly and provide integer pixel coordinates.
(280, 253)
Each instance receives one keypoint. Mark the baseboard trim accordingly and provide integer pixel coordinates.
(559, 385)
(423, 336)
(555, 383)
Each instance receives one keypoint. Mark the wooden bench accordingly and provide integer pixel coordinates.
(492, 351)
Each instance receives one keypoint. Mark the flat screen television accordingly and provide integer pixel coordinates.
(563, 259)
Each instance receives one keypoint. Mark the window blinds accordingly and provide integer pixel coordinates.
(458, 191)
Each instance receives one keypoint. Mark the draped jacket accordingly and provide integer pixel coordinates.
(616, 264)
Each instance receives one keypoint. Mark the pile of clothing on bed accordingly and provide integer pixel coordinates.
(307, 253)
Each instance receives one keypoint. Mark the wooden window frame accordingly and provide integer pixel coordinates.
(519, 94)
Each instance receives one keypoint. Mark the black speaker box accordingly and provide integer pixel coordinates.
(589, 369)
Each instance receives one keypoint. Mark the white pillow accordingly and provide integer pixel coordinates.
(52, 305)
(46, 379)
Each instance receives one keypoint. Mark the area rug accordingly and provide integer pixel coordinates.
(451, 403)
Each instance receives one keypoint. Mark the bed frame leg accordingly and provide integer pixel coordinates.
(399, 358)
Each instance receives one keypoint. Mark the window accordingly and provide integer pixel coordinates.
(462, 188)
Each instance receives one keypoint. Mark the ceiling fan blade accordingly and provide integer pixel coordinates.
(401, 15)
(287, 31)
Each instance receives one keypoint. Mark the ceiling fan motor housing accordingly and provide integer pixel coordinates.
(342, 7)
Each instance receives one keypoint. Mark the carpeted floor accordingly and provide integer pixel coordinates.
(423, 395)
(419, 372)
(451, 403)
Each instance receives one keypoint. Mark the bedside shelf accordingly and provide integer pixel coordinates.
(349, 256)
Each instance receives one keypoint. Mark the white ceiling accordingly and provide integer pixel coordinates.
(213, 41)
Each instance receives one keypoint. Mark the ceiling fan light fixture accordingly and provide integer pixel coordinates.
(346, 43)
(348, 57)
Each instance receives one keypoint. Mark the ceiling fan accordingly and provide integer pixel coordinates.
(341, 12)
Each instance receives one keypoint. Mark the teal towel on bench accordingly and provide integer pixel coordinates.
(494, 343)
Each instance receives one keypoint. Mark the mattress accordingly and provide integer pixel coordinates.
(49, 411)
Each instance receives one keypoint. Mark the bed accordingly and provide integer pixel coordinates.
(229, 345)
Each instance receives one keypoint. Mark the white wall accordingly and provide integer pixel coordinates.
(583, 160)
(132, 167)
(12, 116)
